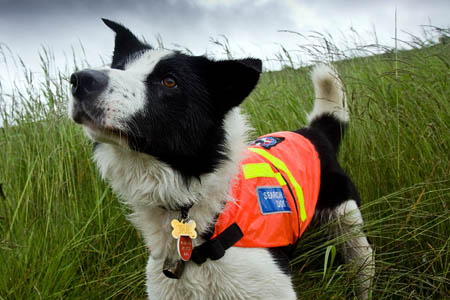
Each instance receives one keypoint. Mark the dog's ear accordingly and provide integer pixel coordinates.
(254, 63)
(126, 43)
(233, 80)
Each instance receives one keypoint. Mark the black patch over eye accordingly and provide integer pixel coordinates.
(169, 82)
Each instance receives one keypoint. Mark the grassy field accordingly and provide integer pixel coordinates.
(64, 235)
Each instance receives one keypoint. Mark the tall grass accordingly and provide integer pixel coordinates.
(63, 235)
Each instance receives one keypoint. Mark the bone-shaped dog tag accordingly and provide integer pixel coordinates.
(182, 227)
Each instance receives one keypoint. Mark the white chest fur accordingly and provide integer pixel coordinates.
(146, 184)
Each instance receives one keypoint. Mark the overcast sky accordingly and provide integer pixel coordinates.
(251, 26)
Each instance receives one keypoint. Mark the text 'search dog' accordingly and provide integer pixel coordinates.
(221, 215)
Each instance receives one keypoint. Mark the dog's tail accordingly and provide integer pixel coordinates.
(330, 114)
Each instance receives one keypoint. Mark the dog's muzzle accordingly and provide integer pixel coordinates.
(87, 86)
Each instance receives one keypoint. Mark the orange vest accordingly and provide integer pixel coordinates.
(275, 191)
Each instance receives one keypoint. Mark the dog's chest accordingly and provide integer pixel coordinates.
(151, 189)
(238, 275)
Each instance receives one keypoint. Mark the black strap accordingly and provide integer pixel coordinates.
(184, 211)
(215, 248)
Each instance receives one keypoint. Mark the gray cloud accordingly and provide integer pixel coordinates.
(179, 21)
(25, 25)
(192, 22)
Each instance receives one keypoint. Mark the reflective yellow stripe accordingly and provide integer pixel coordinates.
(280, 179)
(261, 170)
(279, 164)
(257, 170)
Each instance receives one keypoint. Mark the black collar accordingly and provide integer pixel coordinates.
(184, 210)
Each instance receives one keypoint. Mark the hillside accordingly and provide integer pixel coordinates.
(64, 235)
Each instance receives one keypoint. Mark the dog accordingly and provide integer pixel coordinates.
(171, 140)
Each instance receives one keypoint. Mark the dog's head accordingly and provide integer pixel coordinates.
(163, 103)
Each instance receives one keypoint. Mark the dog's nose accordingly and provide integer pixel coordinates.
(87, 84)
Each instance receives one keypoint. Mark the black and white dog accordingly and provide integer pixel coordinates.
(169, 137)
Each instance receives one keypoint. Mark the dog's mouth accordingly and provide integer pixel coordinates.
(107, 130)
(93, 122)
(105, 134)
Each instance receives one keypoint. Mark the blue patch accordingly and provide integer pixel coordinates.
(267, 141)
(272, 200)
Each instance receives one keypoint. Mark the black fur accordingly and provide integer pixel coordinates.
(183, 126)
(282, 255)
(336, 187)
(126, 44)
(325, 133)
(332, 128)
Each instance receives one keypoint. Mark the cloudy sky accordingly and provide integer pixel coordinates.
(252, 27)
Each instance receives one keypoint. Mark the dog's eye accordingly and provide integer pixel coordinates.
(169, 82)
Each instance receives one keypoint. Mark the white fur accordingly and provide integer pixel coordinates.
(243, 273)
(145, 184)
(356, 248)
(124, 96)
(329, 93)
